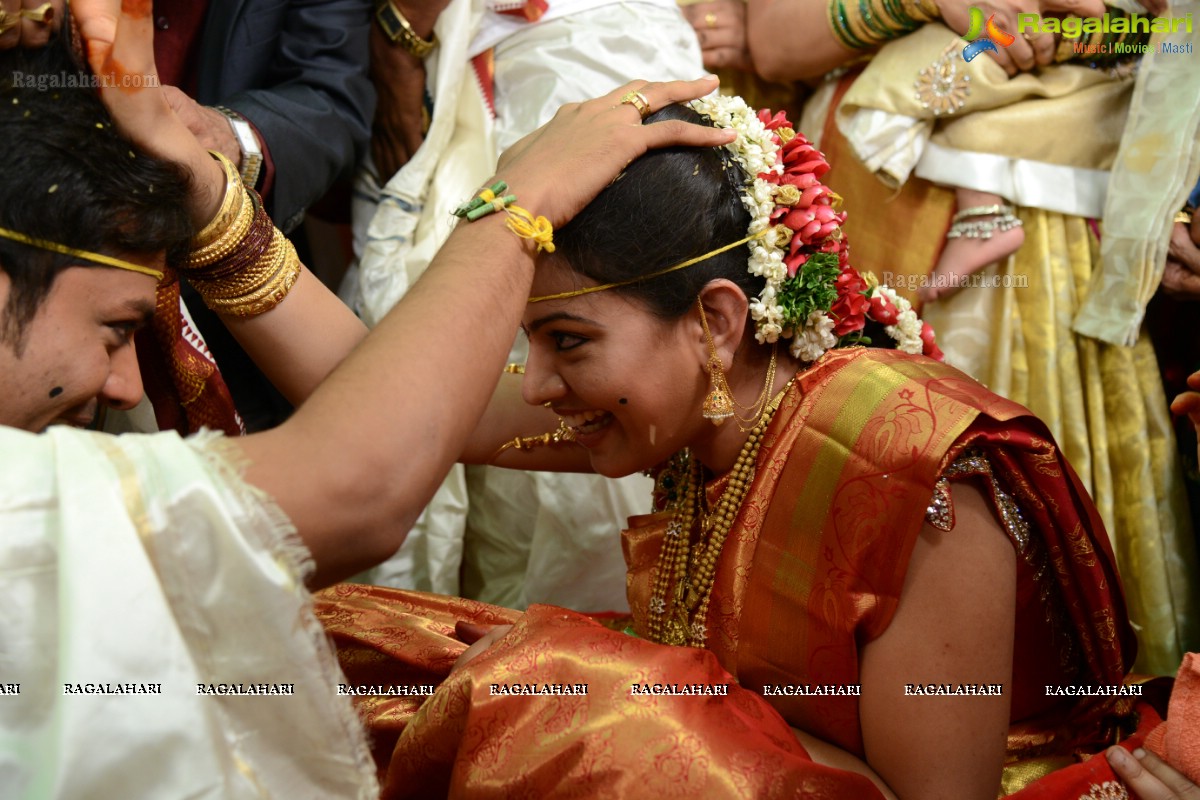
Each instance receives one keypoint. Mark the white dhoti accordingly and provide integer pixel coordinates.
(145, 590)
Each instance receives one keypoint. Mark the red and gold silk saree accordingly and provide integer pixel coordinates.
(811, 570)
(815, 563)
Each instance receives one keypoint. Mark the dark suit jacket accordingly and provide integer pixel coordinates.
(297, 69)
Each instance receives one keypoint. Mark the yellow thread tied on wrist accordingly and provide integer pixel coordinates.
(492, 199)
(527, 226)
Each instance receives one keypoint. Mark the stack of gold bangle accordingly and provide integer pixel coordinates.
(240, 263)
(863, 24)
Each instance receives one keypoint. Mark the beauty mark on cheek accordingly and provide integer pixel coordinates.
(56, 391)
(623, 401)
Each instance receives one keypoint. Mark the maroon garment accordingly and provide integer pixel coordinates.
(178, 26)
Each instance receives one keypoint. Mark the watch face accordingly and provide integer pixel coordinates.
(246, 138)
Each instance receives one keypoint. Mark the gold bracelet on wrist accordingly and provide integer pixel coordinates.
(398, 29)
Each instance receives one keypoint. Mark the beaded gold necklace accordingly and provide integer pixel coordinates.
(684, 579)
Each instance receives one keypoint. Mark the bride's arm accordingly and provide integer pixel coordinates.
(954, 624)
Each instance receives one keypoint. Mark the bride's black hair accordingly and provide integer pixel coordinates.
(668, 206)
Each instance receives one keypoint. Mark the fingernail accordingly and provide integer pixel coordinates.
(1139, 754)
(711, 77)
(1117, 756)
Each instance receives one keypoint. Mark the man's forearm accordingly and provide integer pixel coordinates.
(378, 436)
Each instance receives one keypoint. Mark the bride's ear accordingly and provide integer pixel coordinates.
(726, 311)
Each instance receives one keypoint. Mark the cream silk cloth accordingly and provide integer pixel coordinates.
(1103, 402)
(504, 536)
(1155, 170)
(144, 559)
(989, 144)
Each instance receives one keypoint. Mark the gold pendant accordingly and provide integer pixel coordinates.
(674, 633)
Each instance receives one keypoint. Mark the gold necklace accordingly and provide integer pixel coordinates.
(679, 600)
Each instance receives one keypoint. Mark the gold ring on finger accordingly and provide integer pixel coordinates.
(8, 21)
(43, 14)
(710, 19)
(638, 101)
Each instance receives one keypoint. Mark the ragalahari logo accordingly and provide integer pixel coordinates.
(994, 35)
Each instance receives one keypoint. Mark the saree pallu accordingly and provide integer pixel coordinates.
(1106, 407)
(815, 563)
(471, 739)
(1103, 403)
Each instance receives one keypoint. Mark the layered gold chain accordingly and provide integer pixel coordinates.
(685, 575)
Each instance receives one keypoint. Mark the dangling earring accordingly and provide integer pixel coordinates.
(718, 403)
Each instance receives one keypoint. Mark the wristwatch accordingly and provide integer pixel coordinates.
(396, 28)
(252, 156)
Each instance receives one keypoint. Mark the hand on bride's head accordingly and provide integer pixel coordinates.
(559, 168)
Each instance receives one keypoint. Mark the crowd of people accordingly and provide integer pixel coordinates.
(476, 399)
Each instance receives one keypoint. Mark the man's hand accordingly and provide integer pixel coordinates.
(592, 142)
(29, 23)
(399, 128)
(399, 78)
(209, 126)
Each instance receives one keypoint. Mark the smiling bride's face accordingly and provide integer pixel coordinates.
(630, 383)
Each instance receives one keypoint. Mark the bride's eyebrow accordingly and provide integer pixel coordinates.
(556, 317)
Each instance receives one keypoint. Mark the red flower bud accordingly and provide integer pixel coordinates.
(883, 310)
(929, 343)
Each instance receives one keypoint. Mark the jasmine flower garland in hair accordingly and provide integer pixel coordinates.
(812, 294)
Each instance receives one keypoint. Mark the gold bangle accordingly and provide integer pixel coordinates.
(229, 239)
(249, 279)
(1184, 216)
(398, 29)
(268, 294)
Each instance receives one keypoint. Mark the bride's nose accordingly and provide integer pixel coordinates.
(542, 385)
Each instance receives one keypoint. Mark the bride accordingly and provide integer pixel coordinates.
(829, 512)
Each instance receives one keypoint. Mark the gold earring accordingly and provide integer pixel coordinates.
(718, 403)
